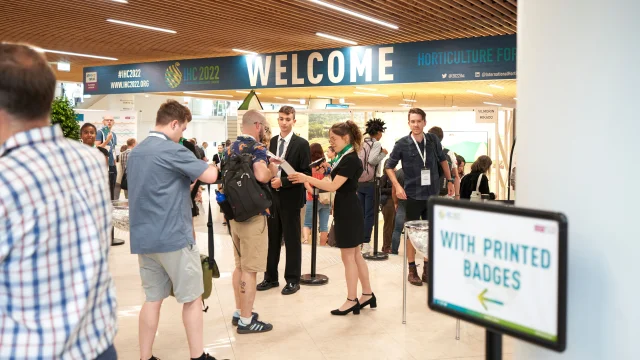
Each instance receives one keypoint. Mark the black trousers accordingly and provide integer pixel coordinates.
(284, 220)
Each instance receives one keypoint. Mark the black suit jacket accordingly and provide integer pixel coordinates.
(299, 157)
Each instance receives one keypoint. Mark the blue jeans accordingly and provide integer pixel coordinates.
(323, 216)
(366, 192)
(109, 354)
(397, 230)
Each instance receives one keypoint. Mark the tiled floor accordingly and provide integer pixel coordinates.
(303, 327)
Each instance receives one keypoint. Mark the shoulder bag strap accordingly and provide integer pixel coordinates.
(479, 181)
(210, 246)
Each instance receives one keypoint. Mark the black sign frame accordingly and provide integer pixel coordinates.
(560, 344)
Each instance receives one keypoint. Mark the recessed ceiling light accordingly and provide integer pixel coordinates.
(366, 88)
(405, 105)
(121, 1)
(141, 26)
(206, 94)
(370, 94)
(337, 38)
(245, 51)
(496, 86)
(246, 92)
(76, 54)
(349, 103)
(479, 92)
(515, 99)
(353, 13)
(278, 97)
(325, 97)
(409, 100)
(494, 104)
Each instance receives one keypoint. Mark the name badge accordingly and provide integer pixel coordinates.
(425, 177)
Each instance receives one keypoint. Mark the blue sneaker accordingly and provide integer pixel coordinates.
(255, 327)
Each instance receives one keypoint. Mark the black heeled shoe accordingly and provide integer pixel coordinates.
(373, 303)
(355, 308)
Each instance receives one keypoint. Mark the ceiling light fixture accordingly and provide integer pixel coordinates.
(206, 94)
(246, 92)
(409, 100)
(370, 94)
(496, 86)
(325, 97)
(353, 13)
(140, 26)
(76, 54)
(121, 1)
(479, 92)
(278, 97)
(516, 99)
(245, 51)
(365, 88)
(337, 38)
(405, 105)
(494, 104)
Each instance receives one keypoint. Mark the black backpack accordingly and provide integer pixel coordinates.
(246, 196)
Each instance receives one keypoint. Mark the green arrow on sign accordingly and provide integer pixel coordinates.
(484, 299)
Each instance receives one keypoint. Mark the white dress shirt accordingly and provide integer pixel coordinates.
(287, 141)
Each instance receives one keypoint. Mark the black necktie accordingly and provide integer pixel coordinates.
(281, 148)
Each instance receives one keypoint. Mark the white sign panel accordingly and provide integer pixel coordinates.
(498, 268)
(487, 115)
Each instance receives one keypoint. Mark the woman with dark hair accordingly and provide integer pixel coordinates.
(346, 139)
(317, 172)
(477, 179)
(371, 154)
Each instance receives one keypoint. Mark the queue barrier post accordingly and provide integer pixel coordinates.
(313, 278)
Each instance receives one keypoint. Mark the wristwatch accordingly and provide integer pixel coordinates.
(450, 180)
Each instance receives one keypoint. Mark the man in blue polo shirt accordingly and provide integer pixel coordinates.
(421, 155)
(160, 172)
(107, 139)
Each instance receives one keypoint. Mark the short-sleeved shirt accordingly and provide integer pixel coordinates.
(159, 173)
(405, 150)
(100, 136)
(246, 144)
(350, 167)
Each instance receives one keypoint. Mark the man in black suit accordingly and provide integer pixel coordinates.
(288, 199)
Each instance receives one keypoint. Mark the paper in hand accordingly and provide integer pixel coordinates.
(284, 165)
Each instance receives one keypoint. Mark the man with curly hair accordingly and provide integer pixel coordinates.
(371, 154)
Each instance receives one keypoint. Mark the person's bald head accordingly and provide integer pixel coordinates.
(253, 123)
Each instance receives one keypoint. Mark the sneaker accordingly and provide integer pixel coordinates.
(366, 248)
(254, 328)
(235, 320)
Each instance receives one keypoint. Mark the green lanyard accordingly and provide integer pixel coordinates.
(342, 152)
(182, 140)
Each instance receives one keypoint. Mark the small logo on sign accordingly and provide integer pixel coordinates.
(477, 73)
(91, 77)
(173, 76)
(444, 76)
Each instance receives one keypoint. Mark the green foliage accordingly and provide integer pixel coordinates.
(62, 113)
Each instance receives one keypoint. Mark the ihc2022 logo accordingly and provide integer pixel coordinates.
(173, 76)
(448, 215)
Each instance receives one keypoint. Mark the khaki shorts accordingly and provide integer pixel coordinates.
(251, 239)
(180, 269)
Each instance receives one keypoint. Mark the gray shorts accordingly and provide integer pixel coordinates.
(180, 269)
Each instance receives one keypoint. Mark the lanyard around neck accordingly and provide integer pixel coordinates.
(159, 135)
(423, 155)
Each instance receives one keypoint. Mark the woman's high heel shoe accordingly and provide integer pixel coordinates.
(355, 308)
(373, 303)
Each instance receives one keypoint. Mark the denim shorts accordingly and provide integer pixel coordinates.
(323, 216)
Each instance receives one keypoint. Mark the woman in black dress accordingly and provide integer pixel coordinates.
(346, 139)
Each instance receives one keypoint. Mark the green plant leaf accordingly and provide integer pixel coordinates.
(62, 113)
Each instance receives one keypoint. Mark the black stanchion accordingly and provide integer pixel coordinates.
(313, 278)
(493, 345)
(375, 255)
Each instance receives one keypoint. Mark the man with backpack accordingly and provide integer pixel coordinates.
(371, 154)
(452, 160)
(246, 171)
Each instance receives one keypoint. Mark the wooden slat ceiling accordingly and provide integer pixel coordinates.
(211, 28)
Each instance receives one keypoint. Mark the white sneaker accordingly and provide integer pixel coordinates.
(366, 248)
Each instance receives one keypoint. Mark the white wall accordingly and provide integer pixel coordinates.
(577, 134)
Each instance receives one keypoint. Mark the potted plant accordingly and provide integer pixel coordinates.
(62, 113)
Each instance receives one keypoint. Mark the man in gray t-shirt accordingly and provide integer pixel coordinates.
(159, 174)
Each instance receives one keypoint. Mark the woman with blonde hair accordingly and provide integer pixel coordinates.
(346, 139)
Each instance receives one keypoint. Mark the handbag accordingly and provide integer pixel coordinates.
(476, 195)
(331, 237)
(327, 197)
